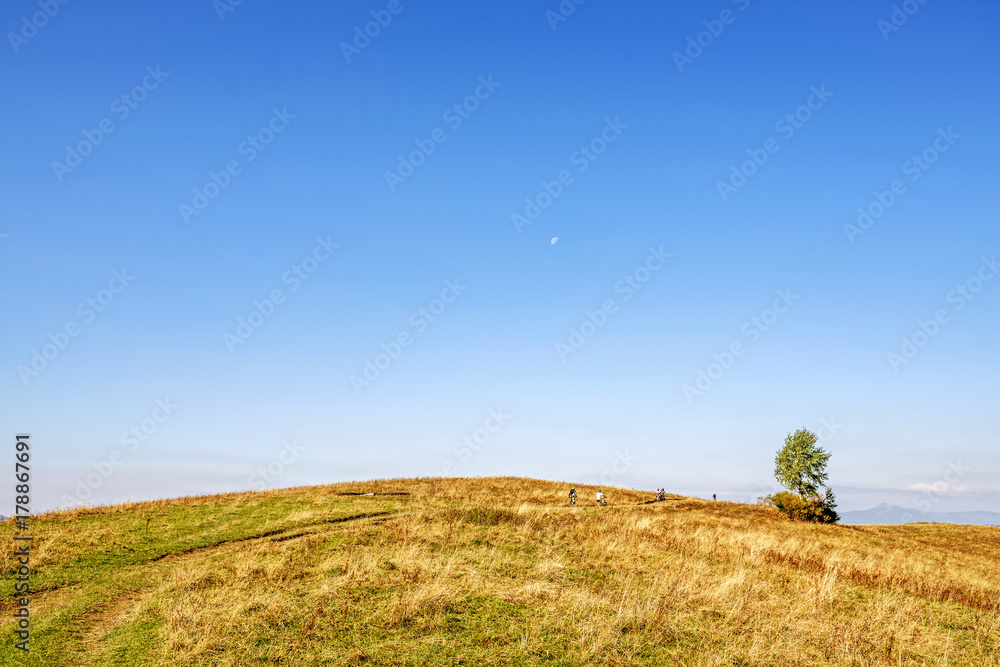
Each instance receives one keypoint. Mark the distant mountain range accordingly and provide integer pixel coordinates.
(886, 513)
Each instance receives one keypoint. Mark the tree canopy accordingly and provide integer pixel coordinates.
(800, 465)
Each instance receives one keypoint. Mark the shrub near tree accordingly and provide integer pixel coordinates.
(800, 466)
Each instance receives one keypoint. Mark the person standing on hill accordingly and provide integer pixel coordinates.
(600, 498)
(713, 496)
(572, 497)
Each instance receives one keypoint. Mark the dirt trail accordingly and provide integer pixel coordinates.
(103, 617)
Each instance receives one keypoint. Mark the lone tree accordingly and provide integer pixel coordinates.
(800, 466)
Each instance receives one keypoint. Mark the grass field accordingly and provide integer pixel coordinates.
(496, 571)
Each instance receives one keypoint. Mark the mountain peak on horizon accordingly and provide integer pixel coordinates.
(884, 513)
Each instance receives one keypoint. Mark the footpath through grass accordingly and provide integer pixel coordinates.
(85, 563)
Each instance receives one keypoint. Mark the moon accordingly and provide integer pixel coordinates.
(555, 239)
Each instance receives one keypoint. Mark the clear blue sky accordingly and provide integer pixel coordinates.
(642, 139)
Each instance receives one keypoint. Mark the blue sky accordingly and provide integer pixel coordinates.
(641, 137)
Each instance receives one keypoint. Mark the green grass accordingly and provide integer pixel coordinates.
(104, 555)
(450, 576)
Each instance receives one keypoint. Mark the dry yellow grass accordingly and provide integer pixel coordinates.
(501, 571)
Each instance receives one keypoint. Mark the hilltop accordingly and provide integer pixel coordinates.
(497, 571)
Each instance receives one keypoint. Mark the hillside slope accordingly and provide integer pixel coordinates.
(497, 571)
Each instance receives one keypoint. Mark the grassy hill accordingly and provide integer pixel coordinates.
(497, 571)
